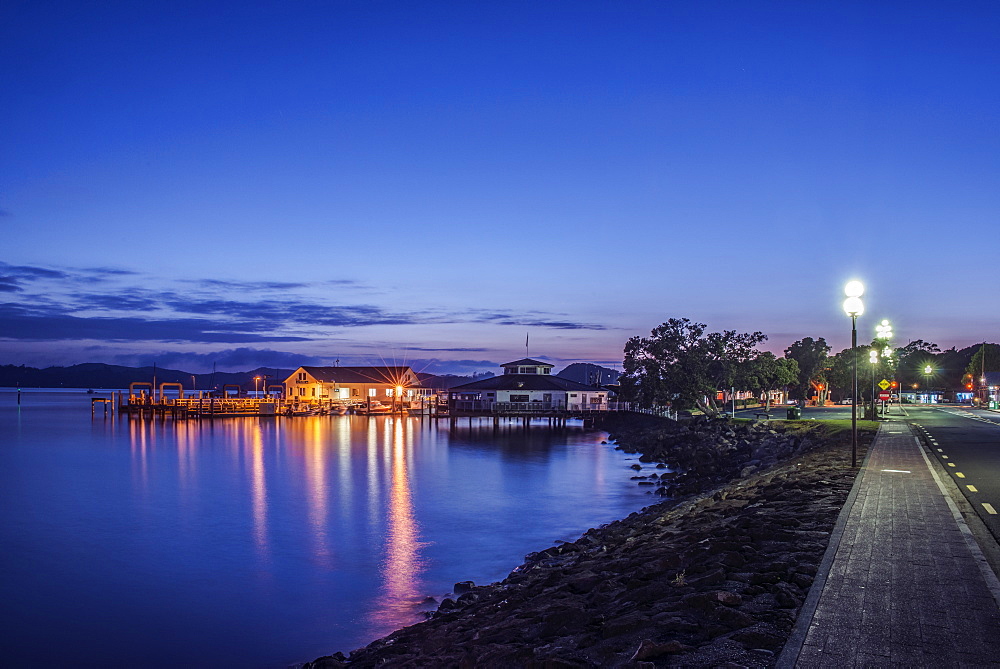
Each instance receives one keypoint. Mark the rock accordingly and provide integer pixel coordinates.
(463, 587)
(650, 649)
(787, 595)
(583, 583)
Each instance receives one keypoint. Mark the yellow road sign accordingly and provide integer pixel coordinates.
(883, 384)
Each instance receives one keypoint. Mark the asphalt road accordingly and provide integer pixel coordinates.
(967, 443)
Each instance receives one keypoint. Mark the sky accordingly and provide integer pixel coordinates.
(432, 183)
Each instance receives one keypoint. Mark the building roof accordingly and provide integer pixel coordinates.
(527, 361)
(384, 375)
(525, 382)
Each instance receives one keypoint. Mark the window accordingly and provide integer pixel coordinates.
(519, 398)
(302, 376)
(314, 392)
(355, 392)
(302, 392)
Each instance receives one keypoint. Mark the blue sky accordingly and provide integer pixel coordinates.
(275, 183)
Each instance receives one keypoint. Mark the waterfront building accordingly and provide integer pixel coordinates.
(354, 384)
(528, 384)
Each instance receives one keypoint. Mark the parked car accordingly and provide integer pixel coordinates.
(847, 400)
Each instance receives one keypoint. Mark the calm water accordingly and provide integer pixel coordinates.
(265, 542)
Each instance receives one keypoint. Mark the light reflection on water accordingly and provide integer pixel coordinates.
(263, 542)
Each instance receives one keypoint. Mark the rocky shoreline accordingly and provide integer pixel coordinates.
(713, 576)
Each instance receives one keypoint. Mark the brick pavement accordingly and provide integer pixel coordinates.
(903, 582)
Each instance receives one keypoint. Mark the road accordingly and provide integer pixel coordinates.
(967, 443)
(780, 411)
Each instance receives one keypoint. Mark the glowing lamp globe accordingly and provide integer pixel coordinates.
(853, 306)
(854, 289)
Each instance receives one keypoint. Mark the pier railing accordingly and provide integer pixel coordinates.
(492, 407)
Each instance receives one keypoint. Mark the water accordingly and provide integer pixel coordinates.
(266, 542)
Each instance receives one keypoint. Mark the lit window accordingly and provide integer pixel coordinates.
(371, 392)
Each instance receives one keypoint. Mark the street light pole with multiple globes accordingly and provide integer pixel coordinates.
(854, 307)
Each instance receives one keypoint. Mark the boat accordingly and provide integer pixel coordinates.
(372, 408)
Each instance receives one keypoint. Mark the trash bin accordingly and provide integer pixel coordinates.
(794, 413)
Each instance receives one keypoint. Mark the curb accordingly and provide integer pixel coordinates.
(793, 647)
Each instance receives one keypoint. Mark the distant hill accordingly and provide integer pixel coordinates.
(446, 381)
(590, 374)
(99, 375)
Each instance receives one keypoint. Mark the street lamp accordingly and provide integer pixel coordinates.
(883, 333)
(256, 386)
(854, 307)
(873, 359)
(928, 370)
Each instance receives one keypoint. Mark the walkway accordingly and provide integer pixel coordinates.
(903, 582)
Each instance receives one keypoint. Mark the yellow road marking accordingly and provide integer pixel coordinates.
(951, 464)
(972, 488)
(960, 475)
(989, 509)
(945, 457)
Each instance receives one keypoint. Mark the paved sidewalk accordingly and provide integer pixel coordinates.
(903, 582)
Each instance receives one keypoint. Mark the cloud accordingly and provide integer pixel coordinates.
(21, 323)
(248, 285)
(119, 305)
(124, 301)
(28, 272)
(457, 367)
(446, 350)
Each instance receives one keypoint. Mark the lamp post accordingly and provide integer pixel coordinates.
(883, 333)
(873, 359)
(928, 370)
(854, 307)
(256, 386)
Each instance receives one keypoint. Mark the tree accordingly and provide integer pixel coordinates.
(681, 365)
(912, 359)
(766, 372)
(840, 372)
(811, 358)
(986, 359)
